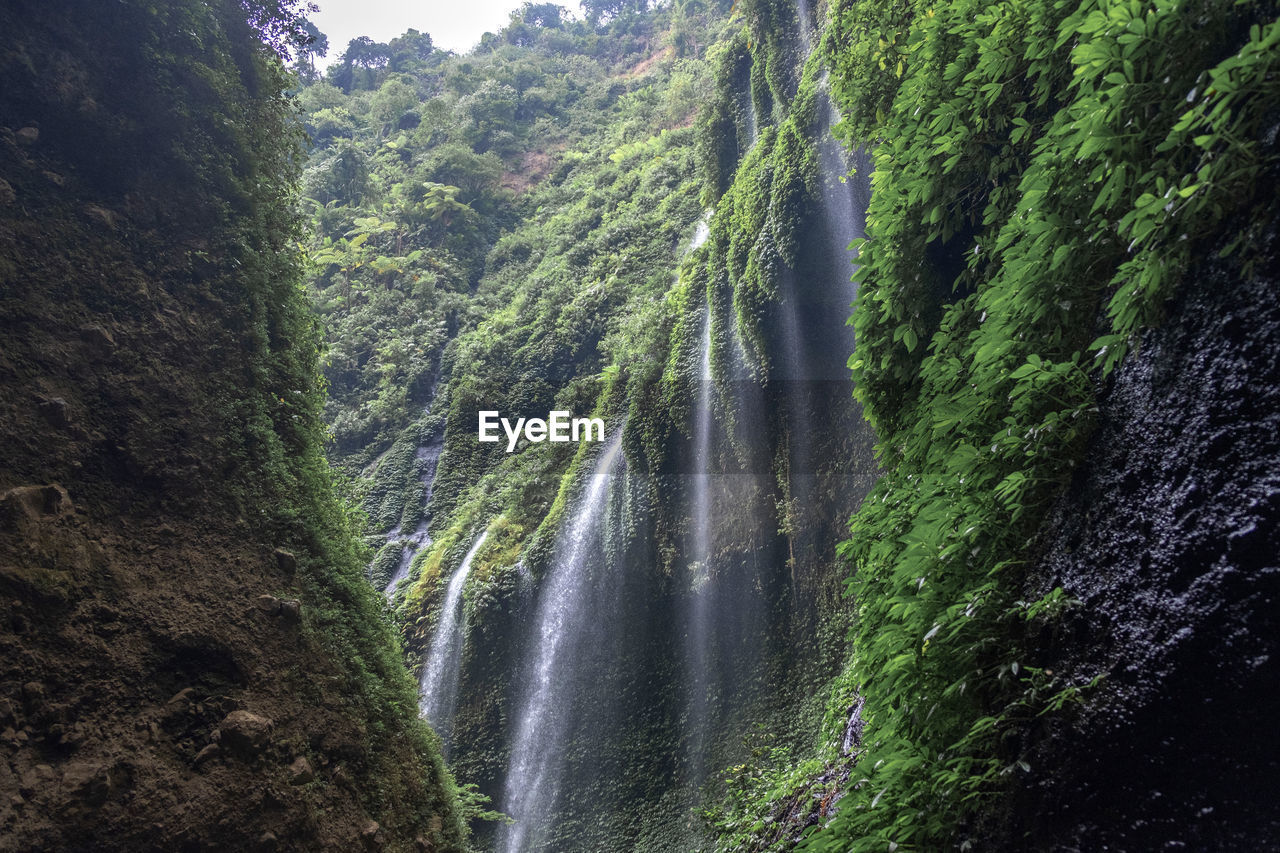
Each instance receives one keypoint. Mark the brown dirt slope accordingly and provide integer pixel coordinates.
(188, 657)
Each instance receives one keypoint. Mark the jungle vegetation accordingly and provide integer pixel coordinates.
(503, 229)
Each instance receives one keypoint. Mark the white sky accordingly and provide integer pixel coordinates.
(453, 24)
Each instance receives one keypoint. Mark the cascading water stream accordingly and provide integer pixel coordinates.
(700, 520)
(702, 424)
(701, 232)
(566, 607)
(428, 460)
(752, 119)
(439, 686)
(702, 452)
(845, 198)
(806, 25)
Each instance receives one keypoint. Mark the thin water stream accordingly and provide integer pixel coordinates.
(846, 193)
(700, 615)
(428, 460)
(438, 690)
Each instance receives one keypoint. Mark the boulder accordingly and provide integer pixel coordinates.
(100, 214)
(37, 779)
(210, 751)
(98, 339)
(372, 834)
(286, 562)
(33, 698)
(27, 136)
(244, 733)
(28, 503)
(288, 610)
(300, 772)
(54, 411)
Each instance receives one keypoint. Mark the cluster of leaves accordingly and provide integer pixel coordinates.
(1044, 172)
(776, 791)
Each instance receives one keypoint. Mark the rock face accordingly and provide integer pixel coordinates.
(135, 527)
(288, 610)
(287, 562)
(98, 339)
(1170, 539)
(87, 780)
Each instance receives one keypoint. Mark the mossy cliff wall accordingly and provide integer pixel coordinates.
(191, 658)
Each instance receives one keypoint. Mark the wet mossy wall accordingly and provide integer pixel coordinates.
(150, 285)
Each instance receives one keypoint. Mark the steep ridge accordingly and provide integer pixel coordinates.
(190, 658)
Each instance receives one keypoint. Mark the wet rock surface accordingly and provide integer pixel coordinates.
(1169, 538)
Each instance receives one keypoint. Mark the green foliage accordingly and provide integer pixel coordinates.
(417, 175)
(504, 242)
(757, 792)
(721, 142)
(475, 806)
(1038, 165)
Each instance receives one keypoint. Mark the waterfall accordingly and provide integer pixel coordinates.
(428, 460)
(702, 425)
(700, 519)
(749, 113)
(806, 25)
(569, 604)
(700, 233)
(409, 547)
(439, 686)
(844, 204)
(702, 451)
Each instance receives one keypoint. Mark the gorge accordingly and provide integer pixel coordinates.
(692, 425)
